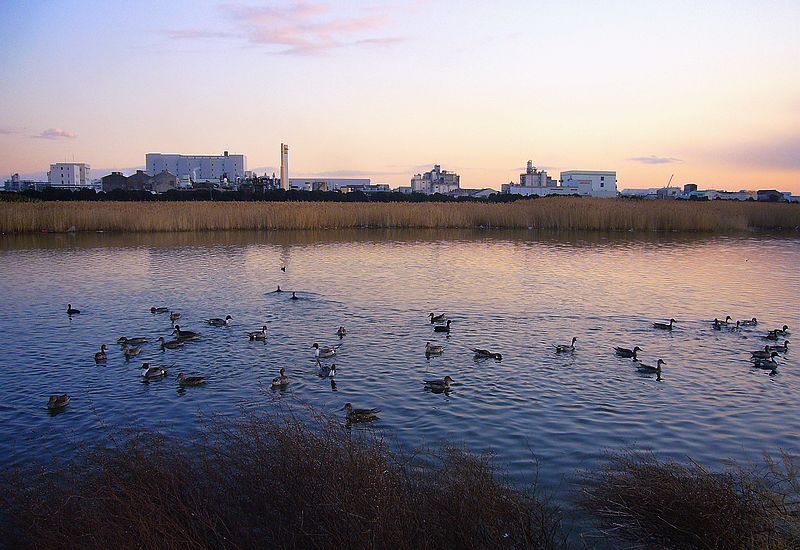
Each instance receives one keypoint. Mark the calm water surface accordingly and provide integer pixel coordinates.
(518, 293)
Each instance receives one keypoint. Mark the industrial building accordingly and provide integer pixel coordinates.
(435, 181)
(195, 168)
(592, 183)
(69, 175)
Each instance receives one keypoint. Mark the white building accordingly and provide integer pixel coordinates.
(198, 167)
(71, 175)
(326, 184)
(435, 181)
(532, 182)
(598, 183)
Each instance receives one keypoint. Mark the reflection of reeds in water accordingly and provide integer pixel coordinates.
(563, 213)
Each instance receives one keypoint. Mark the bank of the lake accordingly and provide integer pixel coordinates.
(554, 213)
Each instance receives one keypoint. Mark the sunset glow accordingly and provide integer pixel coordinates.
(709, 92)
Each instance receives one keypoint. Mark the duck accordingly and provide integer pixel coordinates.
(360, 415)
(341, 332)
(433, 349)
(625, 352)
(217, 322)
(440, 384)
(174, 316)
(122, 340)
(327, 372)
(294, 296)
(437, 318)
(130, 352)
(783, 349)
(665, 326)
(749, 323)
(259, 334)
(443, 328)
(324, 352)
(767, 363)
(160, 309)
(762, 353)
(279, 289)
(734, 328)
(716, 324)
(782, 331)
(280, 381)
(169, 344)
(772, 335)
(56, 402)
(72, 311)
(650, 368)
(184, 334)
(283, 268)
(149, 373)
(101, 355)
(190, 380)
(564, 348)
(485, 353)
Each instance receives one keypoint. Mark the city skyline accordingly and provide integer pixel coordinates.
(386, 90)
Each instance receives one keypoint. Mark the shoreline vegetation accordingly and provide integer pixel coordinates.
(276, 481)
(554, 213)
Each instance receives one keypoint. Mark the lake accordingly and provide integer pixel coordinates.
(515, 292)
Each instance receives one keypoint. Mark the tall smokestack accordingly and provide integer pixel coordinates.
(284, 166)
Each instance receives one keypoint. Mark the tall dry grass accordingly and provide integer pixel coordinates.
(651, 503)
(562, 213)
(269, 482)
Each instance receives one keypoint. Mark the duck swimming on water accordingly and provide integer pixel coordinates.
(72, 311)
(665, 326)
(443, 328)
(101, 355)
(190, 380)
(769, 363)
(440, 384)
(437, 318)
(749, 323)
(217, 322)
(174, 316)
(56, 402)
(327, 372)
(625, 352)
(360, 415)
(150, 373)
(122, 340)
(259, 334)
(783, 349)
(564, 348)
(294, 296)
(169, 344)
(433, 349)
(650, 368)
(341, 332)
(130, 352)
(160, 309)
(281, 380)
(485, 353)
(762, 353)
(324, 352)
(183, 335)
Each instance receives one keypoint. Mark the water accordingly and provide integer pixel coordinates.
(518, 293)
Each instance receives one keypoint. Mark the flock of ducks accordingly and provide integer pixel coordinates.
(765, 358)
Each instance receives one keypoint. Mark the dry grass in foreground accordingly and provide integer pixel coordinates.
(559, 213)
(269, 483)
(656, 504)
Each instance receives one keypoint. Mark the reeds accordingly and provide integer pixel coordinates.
(556, 213)
(270, 482)
(660, 504)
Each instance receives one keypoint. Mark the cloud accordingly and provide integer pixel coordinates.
(298, 28)
(5, 131)
(777, 154)
(55, 133)
(653, 159)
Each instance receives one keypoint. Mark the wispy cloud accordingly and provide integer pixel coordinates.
(653, 159)
(55, 133)
(298, 28)
(5, 131)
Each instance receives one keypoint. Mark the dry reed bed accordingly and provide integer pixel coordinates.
(564, 213)
(662, 504)
(269, 482)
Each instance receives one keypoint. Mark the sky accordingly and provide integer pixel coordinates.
(706, 91)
